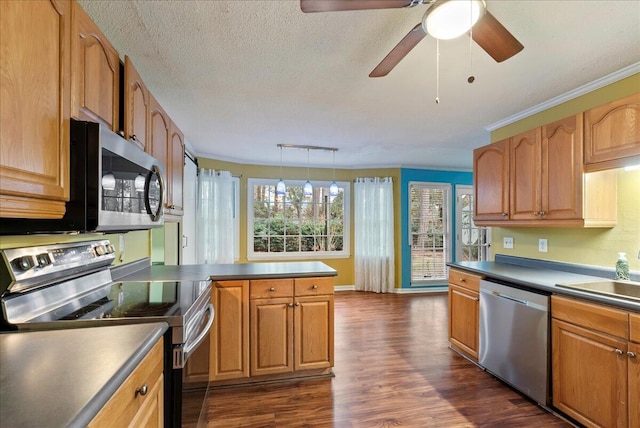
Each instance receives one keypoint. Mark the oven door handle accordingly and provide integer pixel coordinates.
(193, 345)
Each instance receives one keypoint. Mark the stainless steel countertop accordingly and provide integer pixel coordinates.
(222, 272)
(62, 378)
(543, 276)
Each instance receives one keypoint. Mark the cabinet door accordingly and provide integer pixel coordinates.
(34, 108)
(463, 320)
(313, 332)
(594, 397)
(271, 336)
(491, 181)
(175, 170)
(136, 108)
(151, 413)
(159, 124)
(230, 332)
(95, 72)
(612, 134)
(562, 171)
(525, 171)
(634, 385)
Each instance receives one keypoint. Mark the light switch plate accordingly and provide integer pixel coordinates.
(542, 245)
(507, 242)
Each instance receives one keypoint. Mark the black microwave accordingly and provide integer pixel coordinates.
(114, 187)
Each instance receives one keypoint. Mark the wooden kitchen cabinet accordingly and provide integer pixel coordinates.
(95, 72)
(634, 370)
(175, 171)
(595, 367)
(464, 307)
(491, 181)
(547, 185)
(34, 132)
(313, 323)
(612, 134)
(137, 105)
(229, 337)
(129, 406)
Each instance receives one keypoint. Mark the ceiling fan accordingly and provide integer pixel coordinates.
(445, 19)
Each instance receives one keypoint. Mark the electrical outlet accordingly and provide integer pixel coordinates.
(507, 242)
(542, 245)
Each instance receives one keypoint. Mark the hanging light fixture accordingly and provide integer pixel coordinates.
(448, 19)
(307, 190)
(281, 188)
(333, 189)
(108, 181)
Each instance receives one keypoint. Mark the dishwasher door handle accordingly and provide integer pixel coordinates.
(506, 296)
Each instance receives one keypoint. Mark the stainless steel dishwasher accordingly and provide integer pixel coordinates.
(514, 333)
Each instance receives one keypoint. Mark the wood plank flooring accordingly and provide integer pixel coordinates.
(393, 368)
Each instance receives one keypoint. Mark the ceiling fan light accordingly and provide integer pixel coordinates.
(448, 19)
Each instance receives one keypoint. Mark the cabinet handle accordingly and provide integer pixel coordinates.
(463, 280)
(314, 287)
(618, 351)
(504, 214)
(631, 354)
(543, 213)
(297, 304)
(142, 390)
(536, 213)
(134, 138)
(272, 289)
(290, 305)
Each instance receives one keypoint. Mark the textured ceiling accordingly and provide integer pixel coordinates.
(240, 77)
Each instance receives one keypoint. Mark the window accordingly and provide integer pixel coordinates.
(235, 181)
(294, 226)
(473, 243)
(430, 232)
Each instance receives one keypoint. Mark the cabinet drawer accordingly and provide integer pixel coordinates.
(125, 402)
(634, 327)
(595, 317)
(313, 286)
(465, 279)
(268, 288)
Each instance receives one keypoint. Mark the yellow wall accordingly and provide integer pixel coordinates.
(344, 266)
(575, 245)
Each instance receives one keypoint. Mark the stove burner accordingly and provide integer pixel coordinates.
(143, 309)
(98, 309)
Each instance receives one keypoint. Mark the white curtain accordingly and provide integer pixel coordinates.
(374, 243)
(215, 225)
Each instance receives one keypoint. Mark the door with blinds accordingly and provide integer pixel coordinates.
(429, 232)
(473, 243)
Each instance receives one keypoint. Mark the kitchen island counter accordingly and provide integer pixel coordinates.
(64, 377)
(545, 275)
(226, 272)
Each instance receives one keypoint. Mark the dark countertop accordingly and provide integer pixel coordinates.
(62, 378)
(223, 272)
(545, 275)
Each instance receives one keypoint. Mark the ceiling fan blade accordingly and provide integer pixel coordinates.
(496, 40)
(309, 6)
(399, 51)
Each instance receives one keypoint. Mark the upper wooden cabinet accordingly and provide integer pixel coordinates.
(34, 108)
(158, 141)
(546, 183)
(137, 106)
(95, 72)
(612, 134)
(175, 170)
(491, 181)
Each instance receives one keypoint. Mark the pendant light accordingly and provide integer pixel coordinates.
(281, 188)
(307, 190)
(333, 189)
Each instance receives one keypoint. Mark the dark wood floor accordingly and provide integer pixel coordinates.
(393, 368)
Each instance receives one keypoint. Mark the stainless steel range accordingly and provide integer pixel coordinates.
(70, 286)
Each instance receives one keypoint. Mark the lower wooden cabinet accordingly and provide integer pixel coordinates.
(269, 329)
(139, 400)
(464, 307)
(595, 366)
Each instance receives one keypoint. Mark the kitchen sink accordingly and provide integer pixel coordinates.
(621, 289)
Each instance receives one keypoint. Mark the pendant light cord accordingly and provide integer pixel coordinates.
(437, 71)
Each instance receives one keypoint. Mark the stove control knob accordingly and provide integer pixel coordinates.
(110, 249)
(43, 259)
(23, 263)
(100, 250)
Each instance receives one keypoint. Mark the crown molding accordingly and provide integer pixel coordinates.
(574, 93)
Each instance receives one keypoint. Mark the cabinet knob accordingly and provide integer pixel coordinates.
(462, 280)
(314, 287)
(543, 213)
(618, 351)
(631, 354)
(504, 214)
(290, 305)
(142, 390)
(297, 304)
(272, 289)
(536, 213)
(134, 138)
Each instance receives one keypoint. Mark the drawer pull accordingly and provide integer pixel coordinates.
(462, 280)
(272, 289)
(142, 390)
(631, 354)
(315, 287)
(618, 351)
